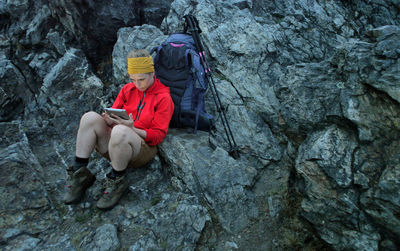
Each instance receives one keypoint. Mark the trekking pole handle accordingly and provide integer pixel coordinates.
(190, 23)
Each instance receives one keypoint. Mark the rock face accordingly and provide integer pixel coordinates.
(312, 95)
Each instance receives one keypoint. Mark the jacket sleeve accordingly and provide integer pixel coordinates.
(160, 123)
(120, 100)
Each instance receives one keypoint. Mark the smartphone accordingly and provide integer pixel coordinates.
(119, 112)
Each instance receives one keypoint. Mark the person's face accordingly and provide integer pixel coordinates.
(142, 81)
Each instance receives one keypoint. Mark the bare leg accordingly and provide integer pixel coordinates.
(93, 132)
(124, 145)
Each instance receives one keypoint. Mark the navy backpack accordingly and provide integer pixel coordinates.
(177, 65)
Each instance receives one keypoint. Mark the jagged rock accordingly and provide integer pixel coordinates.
(385, 74)
(14, 90)
(213, 176)
(178, 210)
(311, 90)
(97, 22)
(24, 243)
(73, 66)
(16, 8)
(230, 52)
(41, 63)
(58, 41)
(63, 98)
(26, 211)
(382, 201)
(142, 37)
(37, 29)
(243, 4)
(105, 239)
(324, 163)
(69, 90)
(322, 89)
(146, 242)
(332, 150)
(358, 101)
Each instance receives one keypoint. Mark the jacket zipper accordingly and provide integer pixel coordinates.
(140, 107)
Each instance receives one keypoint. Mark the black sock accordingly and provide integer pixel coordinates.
(114, 174)
(80, 162)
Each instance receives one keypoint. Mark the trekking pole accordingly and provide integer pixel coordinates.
(221, 109)
(194, 30)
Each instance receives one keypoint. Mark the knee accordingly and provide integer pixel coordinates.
(120, 133)
(90, 118)
(123, 134)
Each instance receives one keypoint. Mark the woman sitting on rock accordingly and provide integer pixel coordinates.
(126, 143)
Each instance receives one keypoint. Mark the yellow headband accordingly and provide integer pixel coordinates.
(140, 65)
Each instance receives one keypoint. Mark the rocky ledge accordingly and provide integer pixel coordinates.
(312, 95)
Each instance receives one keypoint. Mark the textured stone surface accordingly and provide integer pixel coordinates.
(139, 37)
(324, 163)
(312, 95)
(27, 213)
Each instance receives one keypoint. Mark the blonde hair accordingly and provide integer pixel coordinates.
(138, 53)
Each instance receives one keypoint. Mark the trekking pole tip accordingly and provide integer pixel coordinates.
(234, 153)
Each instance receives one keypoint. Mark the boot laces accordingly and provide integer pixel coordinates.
(70, 173)
(109, 185)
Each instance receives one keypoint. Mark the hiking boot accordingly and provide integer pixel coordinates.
(114, 189)
(77, 183)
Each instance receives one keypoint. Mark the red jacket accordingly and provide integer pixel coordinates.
(151, 110)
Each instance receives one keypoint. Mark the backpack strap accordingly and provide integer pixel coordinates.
(156, 58)
(199, 87)
(196, 64)
(188, 54)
